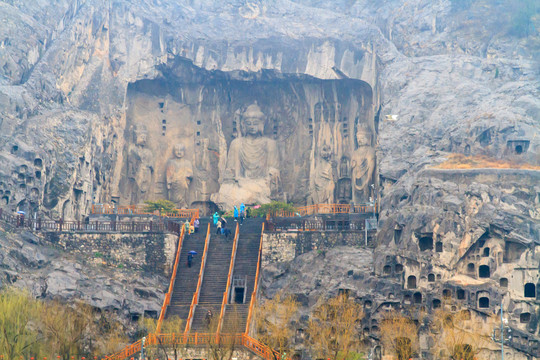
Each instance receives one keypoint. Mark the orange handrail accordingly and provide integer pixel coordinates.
(255, 285)
(229, 276)
(195, 300)
(167, 299)
(198, 339)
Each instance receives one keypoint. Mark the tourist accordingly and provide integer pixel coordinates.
(196, 225)
(189, 259)
(242, 213)
(208, 317)
(226, 232)
(218, 225)
(186, 227)
(235, 213)
(216, 218)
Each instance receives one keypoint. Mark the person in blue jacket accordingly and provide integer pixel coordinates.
(235, 213)
(242, 213)
(216, 218)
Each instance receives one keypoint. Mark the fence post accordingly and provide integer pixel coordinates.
(39, 224)
(79, 225)
(114, 225)
(60, 224)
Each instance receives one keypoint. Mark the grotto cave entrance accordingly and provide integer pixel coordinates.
(483, 302)
(425, 242)
(204, 111)
(483, 271)
(530, 290)
(411, 282)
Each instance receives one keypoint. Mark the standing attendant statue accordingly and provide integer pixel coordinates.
(179, 175)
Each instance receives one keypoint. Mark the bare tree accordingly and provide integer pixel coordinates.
(222, 346)
(273, 323)
(457, 335)
(172, 330)
(333, 327)
(399, 334)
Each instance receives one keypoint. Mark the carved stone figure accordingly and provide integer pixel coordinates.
(322, 179)
(140, 159)
(179, 174)
(363, 165)
(252, 171)
(253, 156)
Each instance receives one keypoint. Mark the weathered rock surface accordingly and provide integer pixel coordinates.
(445, 77)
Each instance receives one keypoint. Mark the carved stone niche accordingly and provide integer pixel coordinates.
(259, 145)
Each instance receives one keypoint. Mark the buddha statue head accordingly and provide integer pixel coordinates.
(140, 136)
(363, 136)
(253, 121)
(179, 150)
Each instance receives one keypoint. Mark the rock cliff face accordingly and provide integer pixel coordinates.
(124, 101)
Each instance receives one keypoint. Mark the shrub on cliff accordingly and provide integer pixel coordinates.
(272, 208)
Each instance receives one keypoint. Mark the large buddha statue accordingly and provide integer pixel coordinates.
(322, 181)
(179, 174)
(363, 165)
(252, 171)
(252, 155)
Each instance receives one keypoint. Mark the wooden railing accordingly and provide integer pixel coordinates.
(256, 284)
(198, 339)
(229, 279)
(168, 295)
(107, 209)
(197, 293)
(326, 209)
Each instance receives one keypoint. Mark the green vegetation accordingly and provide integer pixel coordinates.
(98, 255)
(272, 207)
(161, 205)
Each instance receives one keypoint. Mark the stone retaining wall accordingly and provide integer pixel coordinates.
(148, 251)
(285, 246)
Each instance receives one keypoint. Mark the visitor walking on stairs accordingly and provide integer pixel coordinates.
(216, 218)
(186, 227)
(218, 229)
(235, 213)
(242, 213)
(189, 260)
(196, 224)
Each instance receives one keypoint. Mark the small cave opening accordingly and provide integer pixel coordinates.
(460, 294)
(368, 304)
(436, 303)
(387, 269)
(425, 242)
(431, 278)
(164, 122)
(398, 268)
(14, 149)
(483, 302)
(411, 282)
(417, 297)
(483, 271)
(397, 233)
(524, 317)
(407, 299)
(519, 149)
(4, 200)
(38, 163)
(438, 246)
(20, 177)
(38, 174)
(503, 282)
(470, 268)
(486, 252)
(530, 290)
(23, 169)
(447, 293)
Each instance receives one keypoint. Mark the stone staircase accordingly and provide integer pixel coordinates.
(214, 282)
(186, 278)
(245, 267)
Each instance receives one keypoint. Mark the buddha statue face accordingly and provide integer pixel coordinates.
(253, 121)
(179, 150)
(141, 137)
(363, 137)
